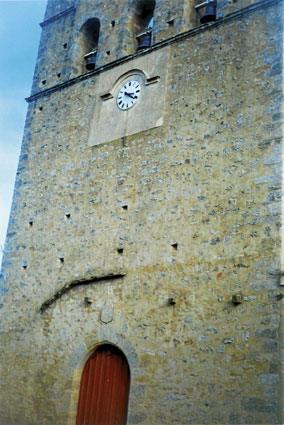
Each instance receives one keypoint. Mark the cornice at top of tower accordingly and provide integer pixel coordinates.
(58, 16)
(55, 8)
(238, 14)
(83, 35)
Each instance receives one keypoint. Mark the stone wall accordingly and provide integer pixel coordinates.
(188, 212)
(60, 55)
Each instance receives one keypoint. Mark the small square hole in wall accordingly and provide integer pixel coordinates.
(58, 74)
(120, 251)
(125, 207)
(24, 264)
(171, 23)
(175, 245)
(40, 108)
(108, 52)
(113, 24)
(64, 45)
(43, 82)
(61, 260)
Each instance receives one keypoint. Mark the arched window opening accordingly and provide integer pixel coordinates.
(144, 22)
(90, 32)
(104, 389)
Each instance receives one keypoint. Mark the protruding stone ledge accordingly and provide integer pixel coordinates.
(58, 16)
(191, 33)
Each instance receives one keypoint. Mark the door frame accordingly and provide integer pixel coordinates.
(80, 357)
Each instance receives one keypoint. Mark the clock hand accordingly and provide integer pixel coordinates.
(129, 95)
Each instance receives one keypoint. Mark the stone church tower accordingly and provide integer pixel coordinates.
(141, 279)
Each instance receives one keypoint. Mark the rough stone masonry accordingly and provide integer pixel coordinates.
(165, 243)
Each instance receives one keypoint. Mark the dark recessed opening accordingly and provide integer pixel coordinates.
(64, 45)
(67, 215)
(31, 223)
(108, 52)
(113, 24)
(125, 207)
(143, 23)
(24, 264)
(87, 301)
(89, 41)
(144, 13)
(40, 108)
(61, 259)
(171, 301)
(171, 23)
(120, 251)
(43, 82)
(175, 245)
(58, 74)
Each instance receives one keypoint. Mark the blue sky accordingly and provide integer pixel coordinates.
(19, 40)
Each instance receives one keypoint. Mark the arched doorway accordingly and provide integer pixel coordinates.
(104, 389)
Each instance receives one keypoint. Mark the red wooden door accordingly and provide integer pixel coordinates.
(104, 390)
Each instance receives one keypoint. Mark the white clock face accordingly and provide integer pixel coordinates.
(128, 95)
